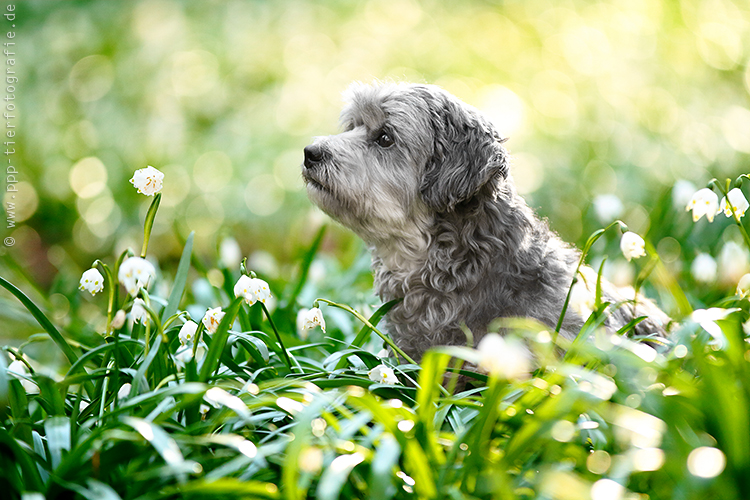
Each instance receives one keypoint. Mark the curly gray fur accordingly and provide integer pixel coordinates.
(435, 202)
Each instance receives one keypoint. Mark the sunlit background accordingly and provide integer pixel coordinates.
(607, 105)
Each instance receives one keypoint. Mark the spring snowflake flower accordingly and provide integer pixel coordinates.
(135, 273)
(147, 180)
(20, 371)
(382, 375)
(92, 281)
(138, 312)
(187, 332)
(704, 268)
(503, 358)
(119, 320)
(632, 245)
(307, 319)
(704, 202)
(124, 391)
(212, 318)
(738, 201)
(743, 286)
(252, 290)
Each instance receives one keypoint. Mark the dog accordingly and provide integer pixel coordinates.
(424, 179)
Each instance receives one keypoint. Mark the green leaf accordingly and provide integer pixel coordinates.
(161, 441)
(42, 319)
(57, 433)
(180, 279)
(361, 337)
(29, 472)
(307, 259)
(148, 223)
(381, 473)
(219, 340)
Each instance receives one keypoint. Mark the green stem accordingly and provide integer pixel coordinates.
(111, 288)
(287, 360)
(364, 320)
(589, 243)
(148, 224)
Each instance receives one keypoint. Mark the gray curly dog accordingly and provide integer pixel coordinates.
(424, 180)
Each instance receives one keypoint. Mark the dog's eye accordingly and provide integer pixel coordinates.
(384, 140)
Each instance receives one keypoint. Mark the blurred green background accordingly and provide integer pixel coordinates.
(607, 105)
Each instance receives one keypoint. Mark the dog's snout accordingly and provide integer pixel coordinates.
(314, 155)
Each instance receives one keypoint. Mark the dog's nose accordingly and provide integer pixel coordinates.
(314, 155)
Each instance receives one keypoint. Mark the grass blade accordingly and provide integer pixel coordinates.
(219, 340)
(42, 319)
(180, 279)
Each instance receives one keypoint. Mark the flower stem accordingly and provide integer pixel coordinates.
(589, 243)
(111, 289)
(148, 224)
(364, 320)
(287, 360)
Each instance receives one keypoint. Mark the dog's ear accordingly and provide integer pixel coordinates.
(467, 155)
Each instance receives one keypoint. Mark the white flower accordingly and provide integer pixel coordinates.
(230, 253)
(147, 180)
(503, 358)
(19, 369)
(704, 202)
(252, 289)
(185, 353)
(307, 319)
(135, 273)
(632, 245)
(382, 375)
(738, 201)
(704, 268)
(138, 312)
(212, 318)
(119, 320)
(203, 410)
(743, 286)
(124, 391)
(187, 332)
(607, 207)
(92, 281)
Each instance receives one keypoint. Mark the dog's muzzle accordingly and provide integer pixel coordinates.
(315, 155)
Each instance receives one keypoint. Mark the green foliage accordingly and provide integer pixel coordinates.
(229, 411)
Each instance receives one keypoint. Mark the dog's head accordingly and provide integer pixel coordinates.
(407, 153)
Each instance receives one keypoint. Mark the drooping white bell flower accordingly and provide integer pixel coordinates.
(632, 245)
(148, 180)
(212, 318)
(252, 290)
(383, 375)
(92, 281)
(737, 200)
(138, 312)
(704, 202)
(187, 332)
(307, 319)
(135, 273)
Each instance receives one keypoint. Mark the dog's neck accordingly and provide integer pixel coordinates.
(459, 248)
